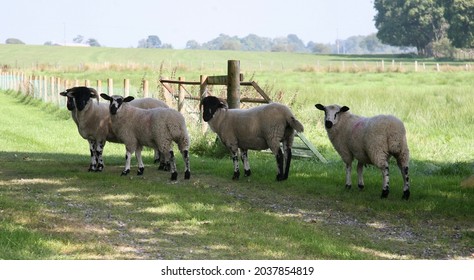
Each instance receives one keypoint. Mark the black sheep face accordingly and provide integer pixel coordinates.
(116, 101)
(78, 97)
(70, 100)
(210, 105)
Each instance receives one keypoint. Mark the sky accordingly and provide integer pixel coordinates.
(123, 23)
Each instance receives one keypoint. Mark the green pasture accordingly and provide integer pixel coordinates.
(52, 208)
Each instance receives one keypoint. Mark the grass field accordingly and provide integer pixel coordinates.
(52, 208)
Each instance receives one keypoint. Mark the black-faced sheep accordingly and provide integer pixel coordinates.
(370, 141)
(258, 128)
(93, 120)
(156, 128)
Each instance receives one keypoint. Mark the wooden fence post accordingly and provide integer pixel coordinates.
(202, 94)
(110, 86)
(99, 86)
(145, 88)
(126, 87)
(180, 95)
(233, 84)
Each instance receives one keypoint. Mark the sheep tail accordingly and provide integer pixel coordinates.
(295, 124)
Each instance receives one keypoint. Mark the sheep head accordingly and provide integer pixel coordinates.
(116, 101)
(78, 97)
(331, 114)
(210, 106)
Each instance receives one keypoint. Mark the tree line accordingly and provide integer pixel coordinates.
(431, 26)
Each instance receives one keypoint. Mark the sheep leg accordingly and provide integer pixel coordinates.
(187, 168)
(360, 175)
(128, 156)
(386, 181)
(141, 166)
(156, 157)
(99, 150)
(172, 163)
(287, 162)
(280, 159)
(235, 160)
(245, 161)
(403, 165)
(93, 164)
(159, 157)
(348, 176)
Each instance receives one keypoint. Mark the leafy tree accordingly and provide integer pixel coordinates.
(78, 39)
(193, 45)
(14, 41)
(253, 42)
(152, 41)
(93, 42)
(460, 15)
(409, 22)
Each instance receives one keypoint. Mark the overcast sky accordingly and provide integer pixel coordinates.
(122, 23)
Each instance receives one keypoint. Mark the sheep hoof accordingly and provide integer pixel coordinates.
(140, 171)
(91, 168)
(348, 187)
(164, 167)
(361, 187)
(236, 175)
(187, 175)
(384, 193)
(248, 173)
(406, 194)
(281, 177)
(125, 172)
(174, 176)
(100, 167)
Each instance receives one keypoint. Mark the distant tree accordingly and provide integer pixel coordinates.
(48, 43)
(193, 45)
(320, 48)
(14, 41)
(253, 42)
(409, 22)
(93, 42)
(166, 46)
(223, 42)
(460, 16)
(78, 39)
(152, 41)
(295, 44)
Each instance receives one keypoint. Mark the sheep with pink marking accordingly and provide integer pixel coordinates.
(370, 141)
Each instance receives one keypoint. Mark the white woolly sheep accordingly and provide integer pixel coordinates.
(370, 141)
(258, 128)
(93, 120)
(156, 128)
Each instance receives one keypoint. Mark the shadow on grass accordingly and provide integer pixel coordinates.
(53, 209)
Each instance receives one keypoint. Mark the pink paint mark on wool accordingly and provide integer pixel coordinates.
(358, 126)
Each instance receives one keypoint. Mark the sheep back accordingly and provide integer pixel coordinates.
(257, 128)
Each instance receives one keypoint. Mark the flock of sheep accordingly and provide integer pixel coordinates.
(150, 122)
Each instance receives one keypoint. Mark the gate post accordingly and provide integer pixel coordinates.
(233, 84)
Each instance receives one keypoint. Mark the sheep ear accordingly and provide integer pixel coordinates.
(344, 109)
(319, 106)
(128, 99)
(105, 96)
(222, 105)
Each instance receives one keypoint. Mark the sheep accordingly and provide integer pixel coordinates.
(156, 128)
(257, 128)
(93, 120)
(370, 141)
